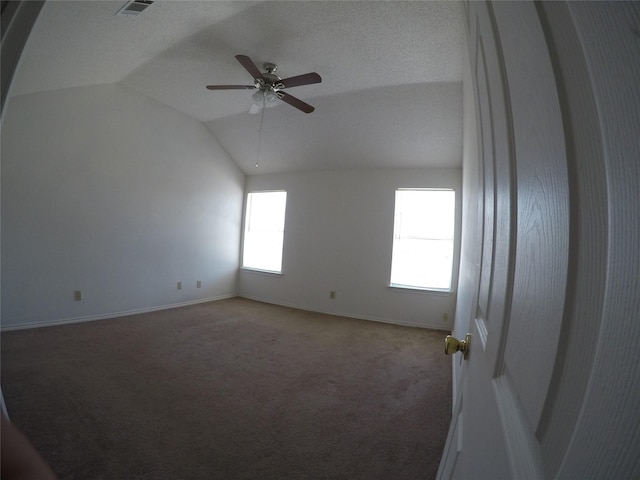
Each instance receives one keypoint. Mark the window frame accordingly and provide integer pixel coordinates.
(245, 226)
(453, 240)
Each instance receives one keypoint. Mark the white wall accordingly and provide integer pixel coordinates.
(108, 192)
(338, 236)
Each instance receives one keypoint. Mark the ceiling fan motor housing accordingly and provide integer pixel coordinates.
(270, 67)
(270, 81)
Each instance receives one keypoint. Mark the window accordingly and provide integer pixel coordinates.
(264, 231)
(422, 256)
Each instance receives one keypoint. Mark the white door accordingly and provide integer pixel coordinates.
(539, 298)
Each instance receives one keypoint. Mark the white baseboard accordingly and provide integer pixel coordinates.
(51, 323)
(349, 315)
(91, 318)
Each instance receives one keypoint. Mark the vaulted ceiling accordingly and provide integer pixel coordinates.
(391, 91)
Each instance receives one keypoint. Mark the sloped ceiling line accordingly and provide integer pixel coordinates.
(391, 72)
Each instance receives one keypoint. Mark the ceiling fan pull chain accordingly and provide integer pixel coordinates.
(260, 132)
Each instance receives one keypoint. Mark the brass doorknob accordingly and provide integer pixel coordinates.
(453, 345)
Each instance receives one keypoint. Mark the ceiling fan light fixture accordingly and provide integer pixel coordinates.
(265, 98)
(258, 98)
(271, 97)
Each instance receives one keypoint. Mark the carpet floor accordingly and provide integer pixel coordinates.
(232, 389)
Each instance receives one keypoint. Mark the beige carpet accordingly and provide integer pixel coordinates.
(233, 389)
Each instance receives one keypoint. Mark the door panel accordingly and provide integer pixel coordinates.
(525, 235)
(542, 226)
(486, 132)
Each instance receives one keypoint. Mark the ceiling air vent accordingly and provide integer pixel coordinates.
(134, 7)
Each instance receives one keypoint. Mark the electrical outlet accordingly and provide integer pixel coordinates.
(445, 317)
(199, 284)
(332, 295)
(77, 295)
(179, 285)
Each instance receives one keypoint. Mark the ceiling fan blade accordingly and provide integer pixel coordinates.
(306, 79)
(249, 66)
(295, 102)
(230, 87)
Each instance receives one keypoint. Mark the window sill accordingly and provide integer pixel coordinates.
(259, 270)
(411, 289)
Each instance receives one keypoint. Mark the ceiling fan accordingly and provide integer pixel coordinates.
(269, 87)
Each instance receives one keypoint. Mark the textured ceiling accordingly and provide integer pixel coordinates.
(391, 91)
